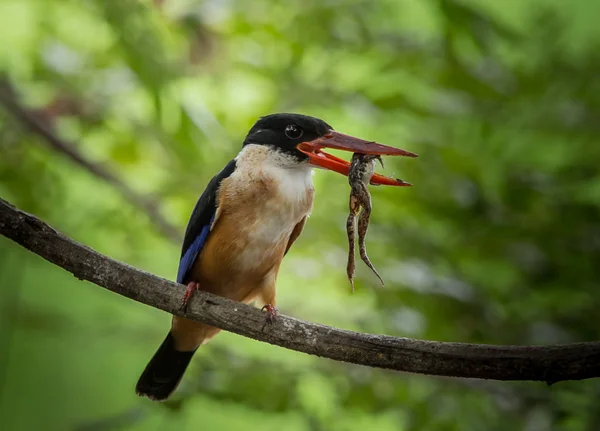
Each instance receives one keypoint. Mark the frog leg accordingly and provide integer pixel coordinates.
(350, 230)
(363, 225)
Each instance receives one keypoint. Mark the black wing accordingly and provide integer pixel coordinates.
(198, 227)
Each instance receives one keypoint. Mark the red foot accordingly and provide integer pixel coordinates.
(189, 292)
(271, 313)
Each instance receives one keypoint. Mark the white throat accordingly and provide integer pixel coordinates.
(292, 178)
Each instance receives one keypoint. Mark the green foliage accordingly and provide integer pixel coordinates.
(497, 242)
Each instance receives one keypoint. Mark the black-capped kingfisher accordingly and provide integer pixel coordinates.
(244, 224)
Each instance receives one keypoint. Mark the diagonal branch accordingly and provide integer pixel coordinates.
(543, 363)
(9, 99)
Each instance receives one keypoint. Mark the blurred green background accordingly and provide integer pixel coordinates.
(497, 242)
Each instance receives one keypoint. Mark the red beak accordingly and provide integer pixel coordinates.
(339, 141)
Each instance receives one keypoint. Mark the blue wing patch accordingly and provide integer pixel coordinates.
(188, 259)
(200, 222)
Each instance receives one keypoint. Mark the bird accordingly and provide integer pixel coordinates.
(245, 222)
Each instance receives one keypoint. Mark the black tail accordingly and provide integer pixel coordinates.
(163, 372)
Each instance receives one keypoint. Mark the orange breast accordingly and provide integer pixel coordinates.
(253, 224)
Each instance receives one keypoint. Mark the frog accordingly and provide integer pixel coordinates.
(362, 168)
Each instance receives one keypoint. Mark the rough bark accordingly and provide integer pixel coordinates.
(543, 363)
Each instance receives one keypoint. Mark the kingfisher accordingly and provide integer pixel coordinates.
(245, 222)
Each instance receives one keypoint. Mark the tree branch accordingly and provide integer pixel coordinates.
(543, 363)
(9, 99)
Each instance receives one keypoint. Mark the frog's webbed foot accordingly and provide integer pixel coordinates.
(363, 225)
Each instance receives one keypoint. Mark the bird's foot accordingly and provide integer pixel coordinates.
(272, 313)
(192, 286)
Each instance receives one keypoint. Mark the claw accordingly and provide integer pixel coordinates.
(272, 313)
(192, 286)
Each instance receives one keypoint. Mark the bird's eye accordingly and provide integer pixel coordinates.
(293, 132)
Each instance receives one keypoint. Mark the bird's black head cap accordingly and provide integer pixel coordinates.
(284, 132)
